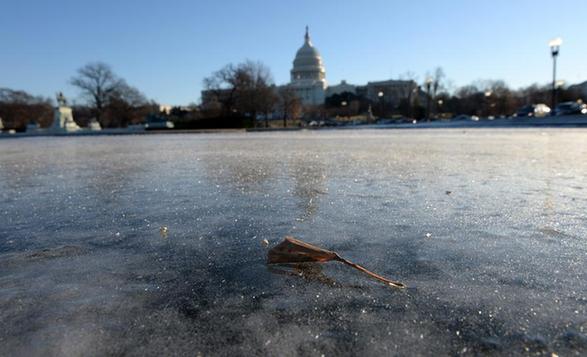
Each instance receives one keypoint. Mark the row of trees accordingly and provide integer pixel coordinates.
(481, 98)
(436, 96)
(495, 98)
(245, 92)
(107, 98)
(17, 108)
(238, 95)
(242, 92)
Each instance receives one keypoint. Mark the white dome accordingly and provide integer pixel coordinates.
(308, 64)
(307, 55)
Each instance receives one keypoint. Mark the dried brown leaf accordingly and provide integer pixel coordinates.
(293, 250)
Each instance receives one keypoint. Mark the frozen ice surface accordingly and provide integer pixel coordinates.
(498, 266)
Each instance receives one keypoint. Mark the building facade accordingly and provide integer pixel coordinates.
(343, 87)
(391, 91)
(308, 81)
(580, 88)
(308, 76)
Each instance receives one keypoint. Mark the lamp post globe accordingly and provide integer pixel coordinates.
(554, 45)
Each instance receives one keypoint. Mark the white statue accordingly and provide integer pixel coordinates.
(63, 117)
(61, 101)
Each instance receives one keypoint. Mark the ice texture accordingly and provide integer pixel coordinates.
(488, 228)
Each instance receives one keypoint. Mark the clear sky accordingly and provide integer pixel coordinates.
(166, 48)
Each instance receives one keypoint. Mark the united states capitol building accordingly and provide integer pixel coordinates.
(308, 76)
(308, 79)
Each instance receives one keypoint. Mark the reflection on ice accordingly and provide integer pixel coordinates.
(309, 271)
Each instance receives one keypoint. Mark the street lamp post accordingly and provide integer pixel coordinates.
(429, 99)
(411, 100)
(487, 94)
(381, 108)
(554, 50)
(344, 104)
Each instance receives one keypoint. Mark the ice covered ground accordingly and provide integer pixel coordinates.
(488, 228)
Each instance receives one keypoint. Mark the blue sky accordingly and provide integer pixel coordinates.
(166, 48)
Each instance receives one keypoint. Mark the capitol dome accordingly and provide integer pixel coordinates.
(307, 64)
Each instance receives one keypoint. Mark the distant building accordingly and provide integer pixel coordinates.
(308, 80)
(390, 91)
(165, 108)
(341, 88)
(580, 87)
(169, 109)
(308, 76)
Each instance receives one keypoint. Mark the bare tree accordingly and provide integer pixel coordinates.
(408, 92)
(221, 88)
(126, 105)
(256, 92)
(289, 104)
(534, 93)
(18, 108)
(114, 102)
(409, 76)
(129, 94)
(438, 81)
(98, 83)
(245, 89)
(437, 86)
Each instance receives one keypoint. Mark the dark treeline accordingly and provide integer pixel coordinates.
(495, 98)
(18, 108)
(240, 94)
(245, 95)
(106, 98)
(481, 98)
(109, 99)
(234, 92)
